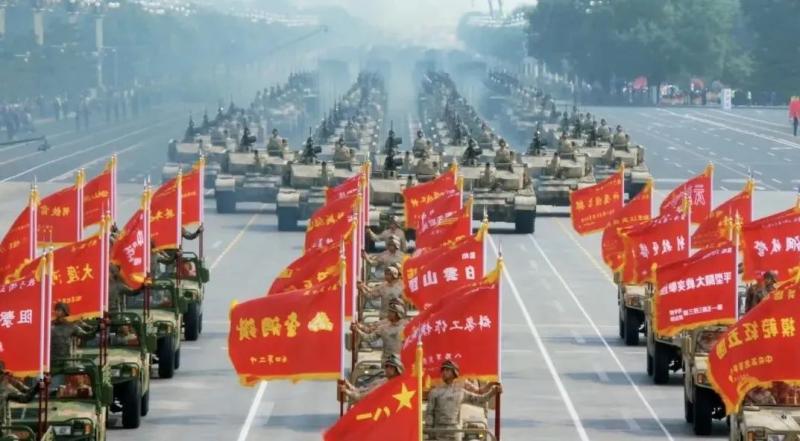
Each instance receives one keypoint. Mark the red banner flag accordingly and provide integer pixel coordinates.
(25, 324)
(295, 335)
(348, 188)
(419, 197)
(761, 348)
(193, 200)
(60, 216)
(446, 207)
(772, 244)
(390, 412)
(698, 291)
(658, 242)
(593, 208)
(100, 195)
(429, 276)
(463, 326)
(448, 231)
(636, 211)
(130, 250)
(18, 246)
(714, 231)
(699, 190)
(165, 215)
(329, 224)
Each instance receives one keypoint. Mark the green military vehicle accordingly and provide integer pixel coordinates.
(663, 353)
(768, 414)
(701, 403)
(79, 394)
(193, 276)
(129, 349)
(631, 299)
(163, 320)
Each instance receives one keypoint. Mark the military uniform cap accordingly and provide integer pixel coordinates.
(393, 271)
(394, 360)
(398, 308)
(450, 364)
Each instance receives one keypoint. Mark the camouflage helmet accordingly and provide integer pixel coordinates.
(394, 361)
(395, 273)
(769, 276)
(450, 364)
(394, 220)
(63, 307)
(397, 308)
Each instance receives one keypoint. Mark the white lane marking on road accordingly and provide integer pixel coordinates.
(558, 306)
(78, 152)
(597, 331)
(633, 426)
(672, 147)
(728, 139)
(761, 121)
(522, 246)
(565, 398)
(601, 374)
(716, 135)
(722, 187)
(577, 351)
(517, 351)
(534, 265)
(687, 142)
(677, 165)
(216, 244)
(738, 130)
(725, 158)
(712, 153)
(578, 338)
(94, 161)
(235, 240)
(757, 172)
(777, 181)
(251, 414)
(740, 143)
(163, 405)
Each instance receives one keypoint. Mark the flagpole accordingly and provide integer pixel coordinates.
(342, 337)
(418, 366)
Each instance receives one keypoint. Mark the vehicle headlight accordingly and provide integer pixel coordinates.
(700, 378)
(62, 430)
(756, 435)
(776, 437)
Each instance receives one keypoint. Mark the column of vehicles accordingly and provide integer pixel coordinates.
(103, 378)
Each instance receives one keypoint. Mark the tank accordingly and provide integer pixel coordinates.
(606, 158)
(505, 195)
(249, 177)
(555, 175)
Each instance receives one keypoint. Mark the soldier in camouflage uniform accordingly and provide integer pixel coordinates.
(389, 331)
(620, 139)
(394, 230)
(274, 147)
(390, 289)
(424, 166)
(444, 402)
(603, 132)
(504, 157)
(11, 389)
(392, 367)
(759, 291)
(62, 332)
(390, 256)
(341, 154)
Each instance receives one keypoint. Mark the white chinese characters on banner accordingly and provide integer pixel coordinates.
(447, 275)
(660, 248)
(468, 324)
(775, 246)
(691, 283)
(9, 319)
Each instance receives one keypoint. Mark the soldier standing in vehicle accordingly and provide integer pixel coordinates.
(603, 132)
(62, 331)
(504, 157)
(392, 367)
(341, 154)
(389, 331)
(392, 254)
(759, 291)
(12, 389)
(444, 403)
(391, 289)
(394, 230)
(274, 144)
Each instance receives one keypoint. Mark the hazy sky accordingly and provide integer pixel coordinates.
(431, 21)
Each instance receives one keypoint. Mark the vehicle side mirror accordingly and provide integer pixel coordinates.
(204, 274)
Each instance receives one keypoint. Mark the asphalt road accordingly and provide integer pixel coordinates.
(567, 375)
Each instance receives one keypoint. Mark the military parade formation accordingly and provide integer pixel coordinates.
(393, 298)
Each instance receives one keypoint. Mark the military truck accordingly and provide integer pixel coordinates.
(249, 177)
(192, 279)
(663, 353)
(505, 194)
(768, 413)
(79, 395)
(163, 319)
(631, 299)
(128, 350)
(701, 403)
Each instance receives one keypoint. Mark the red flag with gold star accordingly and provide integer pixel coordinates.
(772, 244)
(636, 211)
(699, 190)
(715, 230)
(419, 197)
(331, 222)
(390, 412)
(18, 246)
(762, 348)
(592, 208)
(60, 216)
(448, 231)
(165, 215)
(294, 335)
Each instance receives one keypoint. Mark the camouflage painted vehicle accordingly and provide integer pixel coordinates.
(129, 349)
(193, 277)
(631, 299)
(663, 353)
(506, 194)
(163, 320)
(249, 177)
(23, 433)
(766, 416)
(605, 159)
(701, 403)
(303, 191)
(79, 395)
(556, 175)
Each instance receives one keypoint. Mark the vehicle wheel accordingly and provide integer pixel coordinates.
(166, 358)
(621, 328)
(688, 408)
(649, 364)
(661, 364)
(146, 403)
(702, 412)
(191, 325)
(287, 218)
(131, 404)
(631, 327)
(177, 359)
(200, 323)
(524, 222)
(226, 201)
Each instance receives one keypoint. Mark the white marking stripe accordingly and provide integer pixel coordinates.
(600, 334)
(251, 414)
(235, 240)
(576, 420)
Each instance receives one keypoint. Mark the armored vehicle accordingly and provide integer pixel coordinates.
(163, 319)
(556, 175)
(606, 158)
(303, 191)
(191, 276)
(505, 193)
(249, 177)
(663, 353)
(701, 403)
(768, 413)
(631, 299)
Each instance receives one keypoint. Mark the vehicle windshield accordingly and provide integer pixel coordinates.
(779, 394)
(706, 340)
(119, 336)
(160, 298)
(71, 386)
